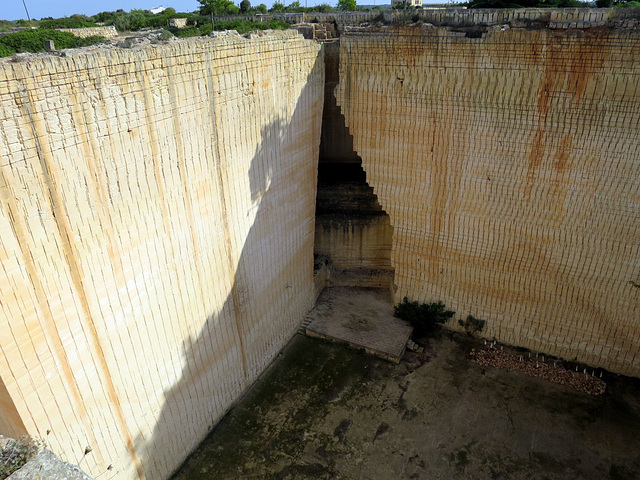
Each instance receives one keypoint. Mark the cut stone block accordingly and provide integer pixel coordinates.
(362, 318)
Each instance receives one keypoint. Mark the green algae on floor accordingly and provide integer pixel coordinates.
(322, 411)
(270, 425)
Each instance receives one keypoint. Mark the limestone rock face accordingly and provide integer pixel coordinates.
(156, 229)
(47, 466)
(508, 163)
(106, 32)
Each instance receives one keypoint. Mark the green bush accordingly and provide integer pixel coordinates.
(405, 17)
(92, 40)
(423, 317)
(75, 21)
(138, 19)
(6, 51)
(33, 40)
(165, 35)
(245, 26)
(126, 22)
(472, 324)
(322, 8)
(27, 23)
(189, 31)
(6, 25)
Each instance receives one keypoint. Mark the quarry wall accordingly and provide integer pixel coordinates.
(157, 210)
(156, 225)
(453, 16)
(106, 32)
(336, 144)
(509, 166)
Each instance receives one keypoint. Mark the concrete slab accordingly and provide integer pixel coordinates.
(362, 318)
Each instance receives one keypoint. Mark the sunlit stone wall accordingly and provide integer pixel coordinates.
(509, 163)
(156, 239)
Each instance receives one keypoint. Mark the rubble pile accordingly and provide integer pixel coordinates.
(495, 355)
(414, 347)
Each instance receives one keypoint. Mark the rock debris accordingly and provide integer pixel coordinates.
(491, 355)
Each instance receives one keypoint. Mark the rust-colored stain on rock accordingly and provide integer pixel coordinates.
(531, 171)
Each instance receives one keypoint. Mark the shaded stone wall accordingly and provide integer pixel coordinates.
(336, 144)
(156, 225)
(509, 166)
(353, 234)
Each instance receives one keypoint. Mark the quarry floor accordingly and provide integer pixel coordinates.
(323, 411)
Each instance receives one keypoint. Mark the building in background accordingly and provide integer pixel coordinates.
(411, 3)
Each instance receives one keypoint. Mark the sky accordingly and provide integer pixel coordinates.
(14, 9)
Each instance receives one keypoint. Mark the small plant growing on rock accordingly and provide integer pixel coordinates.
(472, 324)
(405, 17)
(15, 453)
(165, 35)
(423, 317)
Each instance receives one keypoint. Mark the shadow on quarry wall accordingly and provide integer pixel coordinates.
(182, 421)
(353, 233)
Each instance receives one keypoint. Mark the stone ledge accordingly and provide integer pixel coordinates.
(361, 318)
(106, 32)
(47, 465)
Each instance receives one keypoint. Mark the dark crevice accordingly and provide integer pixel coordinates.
(343, 190)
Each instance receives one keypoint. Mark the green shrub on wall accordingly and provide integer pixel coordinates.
(472, 324)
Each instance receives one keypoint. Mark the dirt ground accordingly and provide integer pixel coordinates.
(323, 411)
